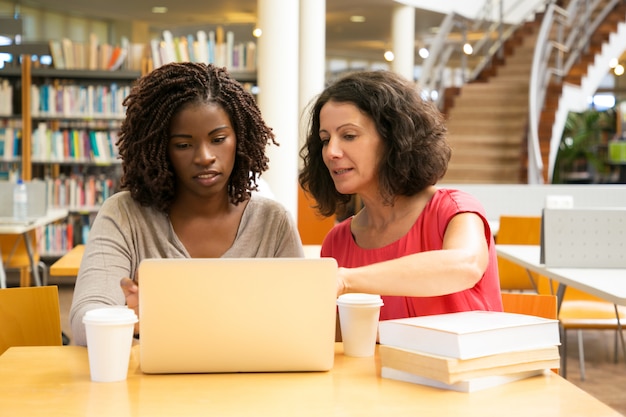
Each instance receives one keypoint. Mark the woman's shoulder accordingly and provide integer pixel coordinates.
(122, 201)
(456, 196)
(119, 199)
(264, 204)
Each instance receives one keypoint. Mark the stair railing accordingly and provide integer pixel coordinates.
(563, 36)
(490, 35)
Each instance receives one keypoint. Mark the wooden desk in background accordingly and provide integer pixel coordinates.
(23, 229)
(68, 264)
(54, 381)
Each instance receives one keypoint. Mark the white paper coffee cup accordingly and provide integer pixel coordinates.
(358, 318)
(109, 339)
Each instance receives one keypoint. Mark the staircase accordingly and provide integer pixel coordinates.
(594, 60)
(487, 119)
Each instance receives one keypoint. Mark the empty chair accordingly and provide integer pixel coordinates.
(540, 305)
(578, 311)
(517, 230)
(29, 316)
(15, 257)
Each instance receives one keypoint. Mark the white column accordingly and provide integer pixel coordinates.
(312, 58)
(403, 39)
(277, 75)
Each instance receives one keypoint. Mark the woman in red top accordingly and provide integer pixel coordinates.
(426, 250)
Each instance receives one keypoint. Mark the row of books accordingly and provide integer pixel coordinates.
(10, 143)
(79, 192)
(94, 55)
(71, 100)
(468, 351)
(74, 145)
(215, 47)
(59, 238)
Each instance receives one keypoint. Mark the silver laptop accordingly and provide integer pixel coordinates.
(237, 315)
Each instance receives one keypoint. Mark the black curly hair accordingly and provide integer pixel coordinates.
(416, 151)
(144, 135)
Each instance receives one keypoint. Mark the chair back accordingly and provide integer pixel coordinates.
(14, 253)
(29, 316)
(541, 305)
(517, 230)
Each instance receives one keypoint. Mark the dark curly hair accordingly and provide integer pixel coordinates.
(416, 152)
(144, 135)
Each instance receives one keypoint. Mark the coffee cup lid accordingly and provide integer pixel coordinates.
(360, 299)
(110, 315)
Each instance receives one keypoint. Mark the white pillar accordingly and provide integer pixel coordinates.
(312, 58)
(403, 39)
(277, 76)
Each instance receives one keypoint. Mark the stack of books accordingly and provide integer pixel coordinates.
(468, 351)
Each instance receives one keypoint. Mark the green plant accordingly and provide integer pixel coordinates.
(578, 150)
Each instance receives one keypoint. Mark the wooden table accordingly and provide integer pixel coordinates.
(68, 264)
(54, 381)
(23, 229)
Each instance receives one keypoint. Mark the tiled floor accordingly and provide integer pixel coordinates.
(605, 379)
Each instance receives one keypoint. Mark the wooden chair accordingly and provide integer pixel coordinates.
(540, 305)
(29, 316)
(579, 310)
(15, 257)
(517, 230)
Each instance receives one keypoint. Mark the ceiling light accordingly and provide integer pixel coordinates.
(619, 69)
(467, 49)
(423, 53)
(389, 56)
(613, 63)
(357, 19)
(257, 32)
(159, 9)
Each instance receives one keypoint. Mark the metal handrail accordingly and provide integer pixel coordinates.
(563, 36)
(445, 46)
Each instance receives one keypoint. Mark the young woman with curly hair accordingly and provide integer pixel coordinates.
(192, 146)
(425, 249)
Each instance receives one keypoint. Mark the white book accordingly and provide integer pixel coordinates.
(68, 53)
(35, 103)
(211, 47)
(169, 49)
(471, 385)
(470, 334)
(6, 98)
(230, 49)
(155, 49)
(202, 54)
(93, 52)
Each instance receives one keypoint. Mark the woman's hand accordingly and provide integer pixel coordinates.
(341, 284)
(131, 292)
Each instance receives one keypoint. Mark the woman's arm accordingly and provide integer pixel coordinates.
(459, 265)
(105, 261)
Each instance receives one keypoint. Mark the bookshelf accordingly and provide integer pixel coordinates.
(66, 122)
(65, 117)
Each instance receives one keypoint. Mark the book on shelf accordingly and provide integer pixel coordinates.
(68, 53)
(469, 334)
(6, 98)
(451, 370)
(471, 385)
(56, 51)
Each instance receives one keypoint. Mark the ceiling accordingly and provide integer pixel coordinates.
(367, 40)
